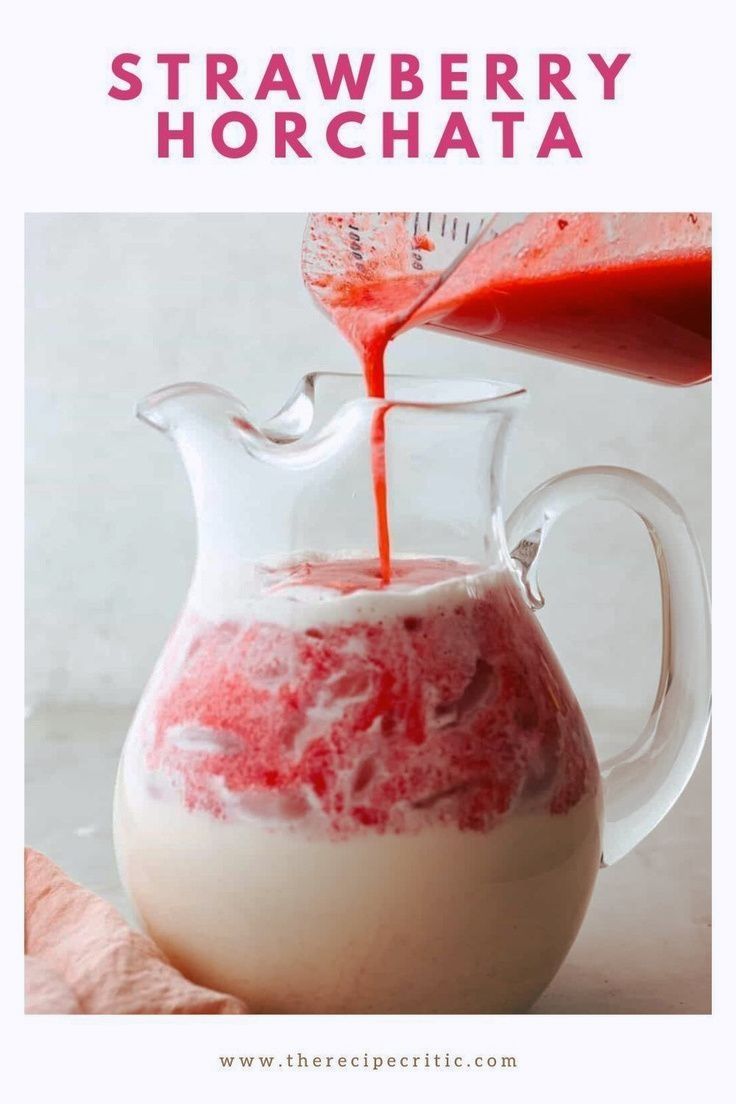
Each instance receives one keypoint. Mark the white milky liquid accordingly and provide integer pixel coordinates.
(439, 921)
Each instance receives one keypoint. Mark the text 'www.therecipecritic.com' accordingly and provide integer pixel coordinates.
(366, 1061)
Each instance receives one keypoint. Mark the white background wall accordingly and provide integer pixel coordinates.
(118, 305)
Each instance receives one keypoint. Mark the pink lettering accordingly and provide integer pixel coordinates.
(609, 72)
(559, 136)
(343, 74)
(456, 135)
(277, 78)
(554, 69)
(405, 71)
(166, 135)
(289, 126)
(173, 63)
(132, 80)
(507, 119)
(334, 140)
(220, 70)
(249, 139)
(392, 134)
(500, 71)
(450, 76)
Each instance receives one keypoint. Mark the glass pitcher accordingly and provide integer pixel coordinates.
(344, 796)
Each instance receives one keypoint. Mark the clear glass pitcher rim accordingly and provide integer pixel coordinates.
(296, 427)
(489, 393)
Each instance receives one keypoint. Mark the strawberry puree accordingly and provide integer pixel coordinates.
(351, 576)
(369, 305)
(369, 315)
(629, 293)
(457, 716)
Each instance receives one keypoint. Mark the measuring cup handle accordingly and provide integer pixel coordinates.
(642, 782)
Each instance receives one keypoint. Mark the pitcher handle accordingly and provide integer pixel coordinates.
(643, 782)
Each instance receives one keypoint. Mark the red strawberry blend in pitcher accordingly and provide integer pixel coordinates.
(355, 705)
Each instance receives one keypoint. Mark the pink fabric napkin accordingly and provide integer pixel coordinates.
(81, 956)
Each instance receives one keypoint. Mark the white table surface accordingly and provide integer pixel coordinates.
(645, 943)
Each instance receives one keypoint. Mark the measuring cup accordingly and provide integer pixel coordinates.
(625, 292)
(367, 247)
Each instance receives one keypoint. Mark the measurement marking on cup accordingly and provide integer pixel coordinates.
(355, 246)
(416, 254)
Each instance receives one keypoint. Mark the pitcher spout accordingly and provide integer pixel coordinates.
(302, 481)
(185, 405)
(251, 481)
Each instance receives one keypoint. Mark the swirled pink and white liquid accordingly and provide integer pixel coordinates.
(343, 796)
